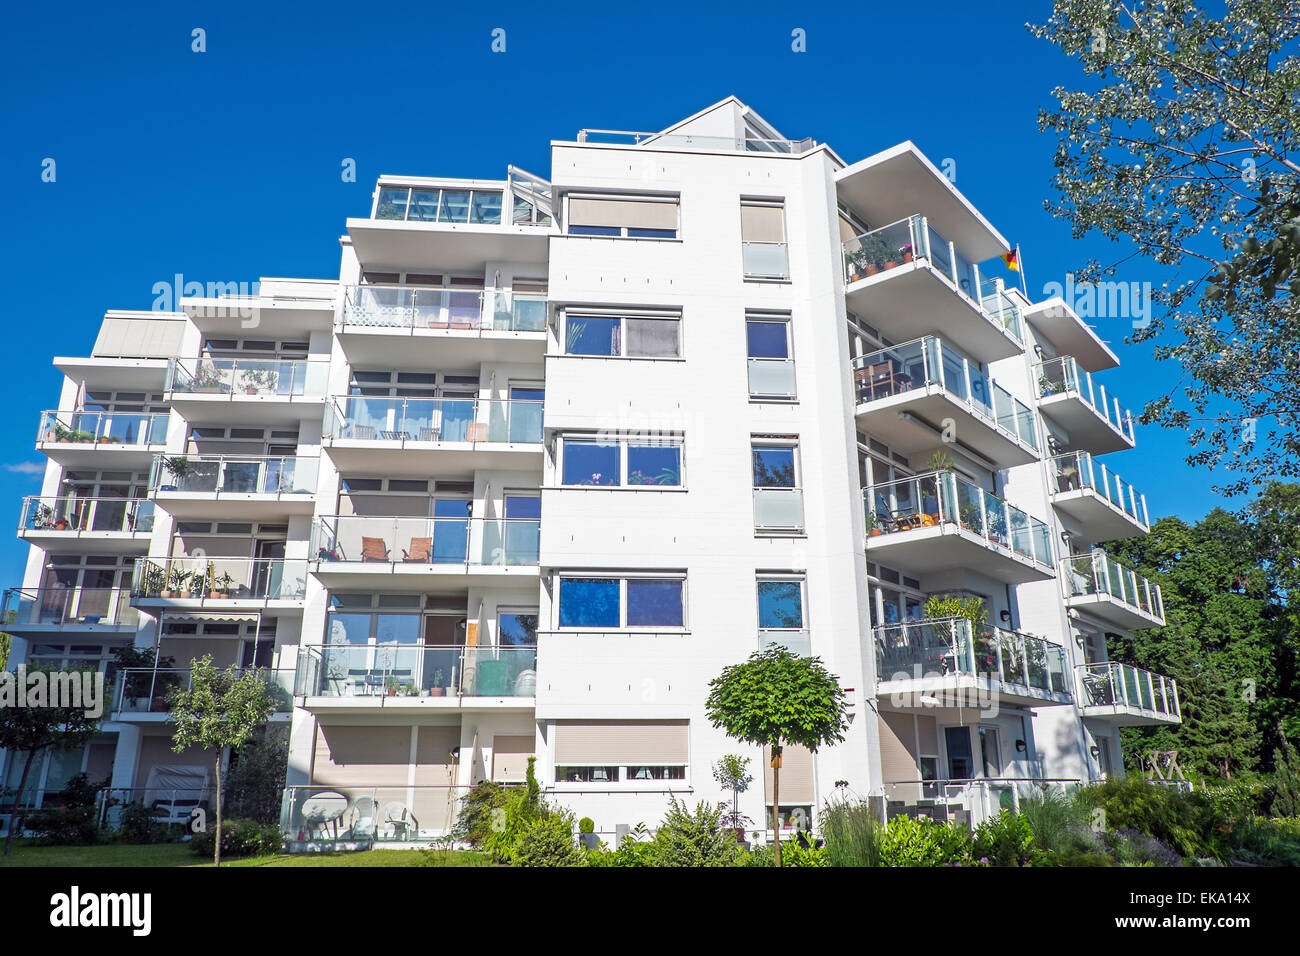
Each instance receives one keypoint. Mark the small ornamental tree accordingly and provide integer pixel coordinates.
(775, 698)
(221, 709)
(732, 773)
(35, 730)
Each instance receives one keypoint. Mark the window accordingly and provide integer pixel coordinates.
(586, 774)
(634, 217)
(625, 336)
(517, 628)
(415, 204)
(771, 369)
(610, 752)
(605, 462)
(762, 240)
(778, 500)
(780, 604)
(618, 602)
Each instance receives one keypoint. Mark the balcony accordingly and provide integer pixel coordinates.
(460, 327)
(266, 389)
(946, 662)
(904, 393)
(234, 486)
(91, 610)
(281, 308)
(423, 436)
(778, 510)
(1069, 334)
(234, 584)
(1111, 592)
(355, 816)
(354, 550)
(389, 675)
(1091, 419)
(940, 522)
(1107, 507)
(103, 525)
(690, 142)
(905, 277)
(1127, 696)
(141, 693)
(417, 222)
(109, 440)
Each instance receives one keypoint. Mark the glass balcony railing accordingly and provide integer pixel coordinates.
(1076, 471)
(124, 515)
(413, 307)
(771, 378)
(56, 607)
(1097, 573)
(248, 378)
(514, 421)
(219, 579)
(118, 429)
(944, 497)
(688, 141)
(778, 509)
(426, 541)
(795, 640)
(931, 361)
(1112, 684)
(946, 646)
(144, 689)
(913, 239)
(765, 260)
(234, 474)
(1062, 376)
(367, 814)
(390, 669)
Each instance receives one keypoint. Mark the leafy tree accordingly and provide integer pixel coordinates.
(221, 709)
(255, 779)
(1286, 800)
(693, 838)
(1182, 143)
(732, 773)
(35, 731)
(6, 644)
(775, 698)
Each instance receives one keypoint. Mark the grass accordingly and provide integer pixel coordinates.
(178, 854)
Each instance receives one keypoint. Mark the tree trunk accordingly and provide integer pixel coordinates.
(15, 818)
(776, 800)
(216, 860)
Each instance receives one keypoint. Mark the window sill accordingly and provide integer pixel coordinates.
(767, 281)
(618, 358)
(659, 488)
(570, 235)
(764, 400)
(780, 533)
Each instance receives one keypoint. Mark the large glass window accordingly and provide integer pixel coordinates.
(592, 462)
(780, 604)
(774, 466)
(768, 339)
(652, 603)
(626, 336)
(439, 205)
(615, 602)
(589, 602)
(517, 628)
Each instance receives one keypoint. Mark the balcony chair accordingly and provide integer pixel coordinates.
(363, 823)
(401, 820)
(374, 549)
(476, 431)
(395, 435)
(365, 432)
(880, 381)
(420, 553)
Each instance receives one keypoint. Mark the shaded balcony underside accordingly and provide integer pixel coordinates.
(395, 245)
(1102, 520)
(420, 459)
(911, 422)
(953, 690)
(1112, 611)
(442, 348)
(1126, 715)
(1086, 429)
(913, 300)
(946, 546)
(233, 505)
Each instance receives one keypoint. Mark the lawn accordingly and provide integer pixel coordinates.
(176, 854)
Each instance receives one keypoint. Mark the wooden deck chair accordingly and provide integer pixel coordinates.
(420, 551)
(374, 549)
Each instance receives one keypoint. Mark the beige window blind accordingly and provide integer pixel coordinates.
(630, 213)
(796, 774)
(610, 743)
(510, 758)
(762, 223)
(361, 756)
(897, 761)
(139, 338)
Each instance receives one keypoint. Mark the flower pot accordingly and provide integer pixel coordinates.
(907, 257)
(249, 390)
(214, 594)
(436, 691)
(61, 525)
(891, 264)
(872, 269)
(874, 532)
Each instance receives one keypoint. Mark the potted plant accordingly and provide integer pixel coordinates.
(225, 585)
(1046, 386)
(390, 686)
(437, 690)
(587, 834)
(997, 526)
(178, 467)
(907, 253)
(970, 517)
(177, 578)
(873, 525)
(256, 380)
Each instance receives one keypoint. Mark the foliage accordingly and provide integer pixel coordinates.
(477, 809)
(1188, 822)
(1267, 842)
(586, 825)
(1286, 802)
(939, 606)
(1182, 143)
(692, 838)
(797, 854)
(547, 840)
(74, 823)
(221, 709)
(34, 731)
(256, 777)
(732, 773)
(852, 834)
(1004, 840)
(919, 841)
(634, 850)
(138, 824)
(239, 838)
(6, 644)
(776, 698)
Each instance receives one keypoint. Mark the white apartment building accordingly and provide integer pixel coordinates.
(550, 453)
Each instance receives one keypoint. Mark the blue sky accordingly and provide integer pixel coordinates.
(225, 165)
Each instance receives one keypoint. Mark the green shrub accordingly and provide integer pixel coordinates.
(240, 838)
(73, 824)
(1193, 824)
(1004, 840)
(634, 850)
(547, 840)
(586, 825)
(757, 856)
(477, 811)
(919, 841)
(1267, 842)
(796, 854)
(138, 825)
(687, 838)
(1058, 824)
(852, 834)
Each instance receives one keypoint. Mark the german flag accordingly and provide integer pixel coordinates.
(1012, 259)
